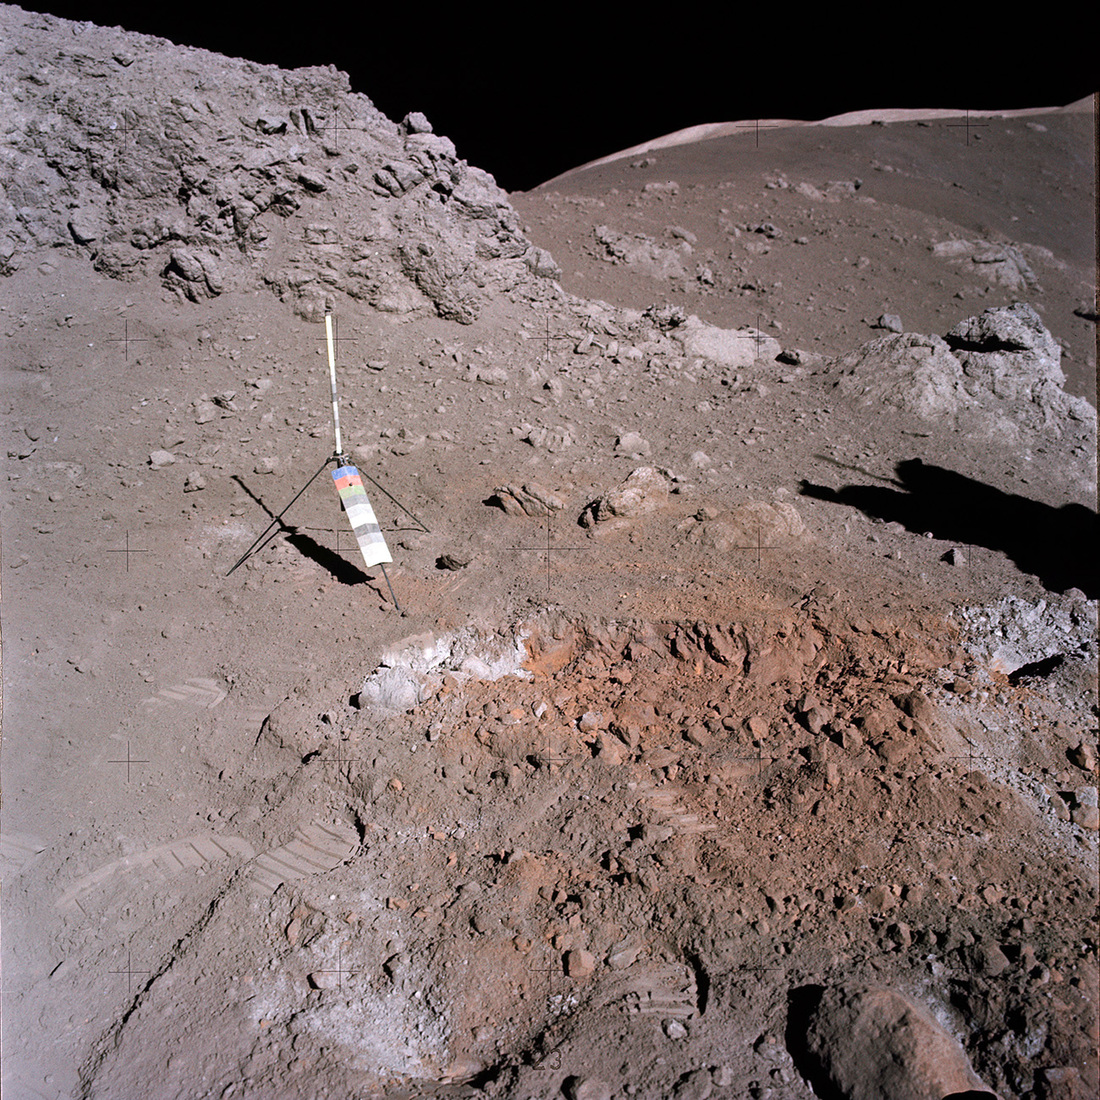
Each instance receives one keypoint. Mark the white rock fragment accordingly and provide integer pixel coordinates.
(633, 445)
(726, 347)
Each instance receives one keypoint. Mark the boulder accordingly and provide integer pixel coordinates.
(874, 1042)
(750, 525)
(1008, 357)
(633, 445)
(638, 250)
(908, 371)
(645, 490)
(726, 347)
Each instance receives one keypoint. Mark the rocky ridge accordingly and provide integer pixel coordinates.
(190, 179)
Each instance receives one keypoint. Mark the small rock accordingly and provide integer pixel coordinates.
(195, 482)
(697, 735)
(755, 523)
(530, 499)
(889, 321)
(485, 920)
(989, 959)
(1061, 1083)
(645, 490)
(610, 749)
(1088, 817)
(900, 933)
(623, 955)
(767, 229)
(312, 181)
(879, 898)
(416, 123)
(696, 1085)
(1083, 756)
(918, 706)
(851, 740)
(450, 561)
(85, 227)
(322, 979)
(579, 964)
(205, 411)
(587, 1088)
(633, 445)
(491, 376)
(159, 459)
(797, 357)
(271, 123)
(675, 1029)
(954, 556)
(816, 718)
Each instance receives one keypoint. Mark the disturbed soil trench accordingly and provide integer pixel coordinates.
(512, 857)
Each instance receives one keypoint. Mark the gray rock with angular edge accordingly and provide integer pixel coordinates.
(908, 371)
(416, 123)
(1007, 353)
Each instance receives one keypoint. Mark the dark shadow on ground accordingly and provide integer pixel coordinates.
(340, 568)
(802, 1003)
(1058, 545)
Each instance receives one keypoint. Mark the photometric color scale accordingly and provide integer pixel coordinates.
(361, 516)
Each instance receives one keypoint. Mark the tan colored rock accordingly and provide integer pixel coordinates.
(918, 706)
(588, 1088)
(579, 964)
(530, 499)
(874, 1043)
(645, 490)
(753, 525)
(1084, 756)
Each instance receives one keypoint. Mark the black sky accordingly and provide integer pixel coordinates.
(528, 100)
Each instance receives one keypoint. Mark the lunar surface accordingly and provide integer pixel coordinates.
(725, 723)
